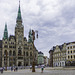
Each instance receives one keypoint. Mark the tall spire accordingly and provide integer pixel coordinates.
(5, 32)
(19, 18)
(30, 36)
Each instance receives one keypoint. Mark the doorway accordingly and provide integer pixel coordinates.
(19, 63)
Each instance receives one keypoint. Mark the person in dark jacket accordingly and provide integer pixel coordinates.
(42, 68)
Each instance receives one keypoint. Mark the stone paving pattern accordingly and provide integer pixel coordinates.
(47, 71)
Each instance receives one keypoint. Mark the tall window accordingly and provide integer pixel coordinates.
(68, 57)
(5, 52)
(26, 53)
(30, 53)
(14, 53)
(19, 52)
(71, 56)
(74, 56)
(70, 47)
(68, 52)
(10, 53)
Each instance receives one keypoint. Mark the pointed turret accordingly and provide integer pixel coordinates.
(30, 36)
(5, 32)
(19, 18)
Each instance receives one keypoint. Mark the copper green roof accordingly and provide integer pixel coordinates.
(5, 32)
(30, 37)
(19, 18)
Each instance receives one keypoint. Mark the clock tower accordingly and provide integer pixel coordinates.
(16, 50)
(19, 36)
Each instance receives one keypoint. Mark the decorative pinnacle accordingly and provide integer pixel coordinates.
(19, 2)
(19, 18)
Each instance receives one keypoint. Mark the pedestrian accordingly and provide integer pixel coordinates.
(42, 68)
(14, 69)
(30, 67)
(11, 68)
(1, 70)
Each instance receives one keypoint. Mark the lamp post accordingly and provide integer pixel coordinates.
(33, 38)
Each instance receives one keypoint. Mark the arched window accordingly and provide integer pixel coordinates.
(26, 53)
(71, 56)
(19, 52)
(5, 52)
(14, 53)
(35, 55)
(30, 53)
(10, 53)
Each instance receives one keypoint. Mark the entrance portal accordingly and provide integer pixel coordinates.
(19, 63)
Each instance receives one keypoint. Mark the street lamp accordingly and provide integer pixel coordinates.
(33, 38)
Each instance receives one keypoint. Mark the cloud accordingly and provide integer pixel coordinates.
(54, 20)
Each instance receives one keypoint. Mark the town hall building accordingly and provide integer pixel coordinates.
(16, 50)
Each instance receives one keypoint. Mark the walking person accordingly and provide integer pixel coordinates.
(30, 67)
(11, 68)
(1, 70)
(16, 68)
(42, 68)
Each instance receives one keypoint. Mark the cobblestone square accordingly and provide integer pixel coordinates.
(38, 72)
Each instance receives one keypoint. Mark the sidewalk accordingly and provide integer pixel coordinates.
(47, 71)
(60, 68)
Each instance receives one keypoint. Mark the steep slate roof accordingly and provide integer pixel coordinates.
(25, 39)
(0, 43)
(70, 42)
(60, 46)
(19, 18)
(5, 36)
(11, 37)
(40, 52)
(52, 49)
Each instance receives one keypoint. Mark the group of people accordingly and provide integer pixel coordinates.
(15, 68)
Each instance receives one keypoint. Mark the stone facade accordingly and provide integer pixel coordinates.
(40, 58)
(59, 55)
(51, 58)
(15, 49)
(0, 53)
(63, 55)
(46, 61)
(70, 54)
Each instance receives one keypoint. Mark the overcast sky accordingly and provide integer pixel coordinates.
(54, 20)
